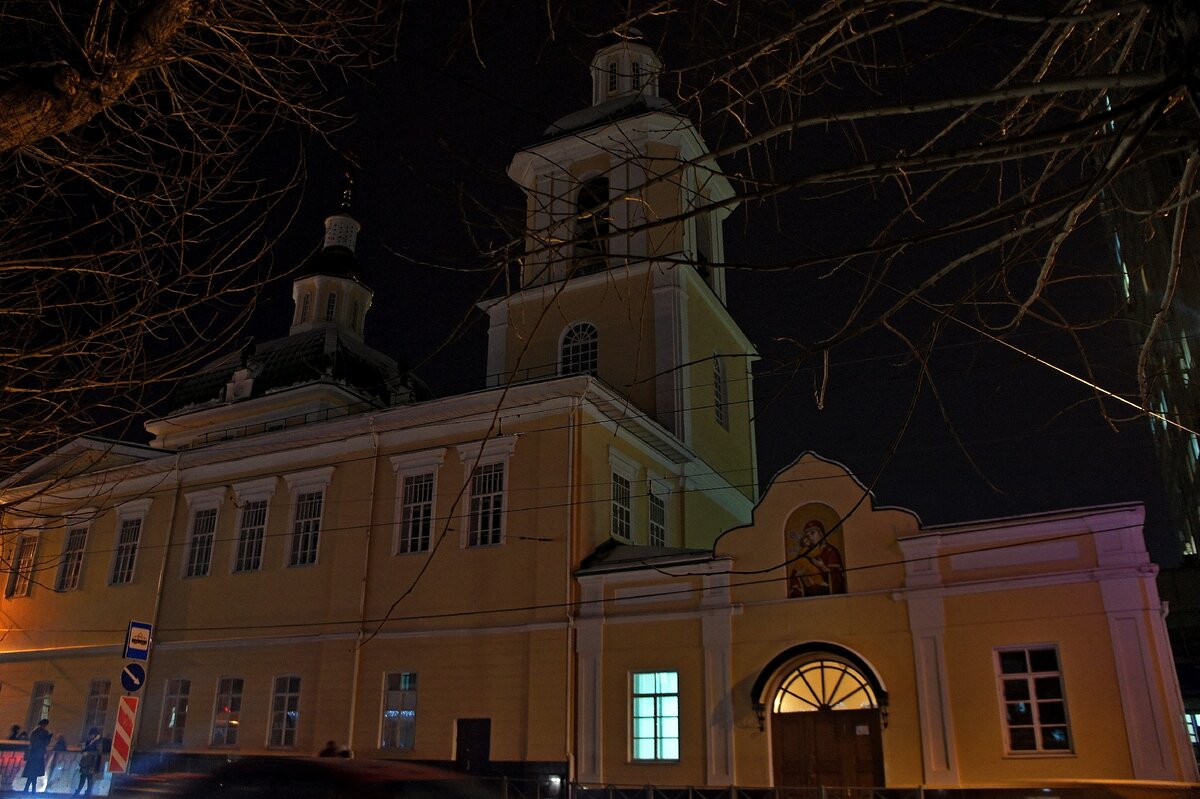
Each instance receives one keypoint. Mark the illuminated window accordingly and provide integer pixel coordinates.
(285, 711)
(125, 557)
(824, 684)
(200, 544)
(174, 716)
(487, 505)
(95, 711)
(399, 710)
(1192, 720)
(252, 523)
(720, 393)
(330, 306)
(228, 713)
(40, 700)
(20, 577)
(71, 566)
(578, 354)
(1033, 701)
(655, 715)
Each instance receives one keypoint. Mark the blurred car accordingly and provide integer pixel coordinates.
(324, 778)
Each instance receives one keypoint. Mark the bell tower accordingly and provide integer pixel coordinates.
(621, 277)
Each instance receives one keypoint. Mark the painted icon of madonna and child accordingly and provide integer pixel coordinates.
(815, 566)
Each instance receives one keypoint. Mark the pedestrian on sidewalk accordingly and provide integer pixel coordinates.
(90, 762)
(35, 755)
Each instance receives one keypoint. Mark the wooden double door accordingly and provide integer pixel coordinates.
(827, 747)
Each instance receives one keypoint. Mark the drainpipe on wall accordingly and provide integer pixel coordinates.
(362, 598)
(569, 663)
(162, 580)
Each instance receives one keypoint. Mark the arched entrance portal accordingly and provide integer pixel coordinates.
(825, 721)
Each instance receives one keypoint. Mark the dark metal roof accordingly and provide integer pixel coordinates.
(612, 555)
(318, 355)
(610, 111)
(335, 261)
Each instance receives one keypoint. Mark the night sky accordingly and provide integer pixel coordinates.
(433, 136)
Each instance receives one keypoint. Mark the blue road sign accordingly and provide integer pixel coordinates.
(133, 677)
(137, 641)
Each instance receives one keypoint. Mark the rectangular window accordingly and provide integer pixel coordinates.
(720, 394)
(658, 520)
(200, 547)
(95, 712)
(175, 708)
(251, 529)
(71, 566)
(416, 513)
(399, 710)
(1192, 721)
(655, 715)
(228, 712)
(612, 77)
(125, 558)
(40, 700)
(306, 528)
(487, 505)
(622, 508)
(1033, 701)
(285, 711)
(330, 307)
(20, 580)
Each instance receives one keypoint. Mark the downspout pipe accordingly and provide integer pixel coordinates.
(362, 596)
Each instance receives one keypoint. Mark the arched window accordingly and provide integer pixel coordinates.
(591, 226)
(579, 350)
(824, 684)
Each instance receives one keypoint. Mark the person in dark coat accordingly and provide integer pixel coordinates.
(35, 755)
(91, 761)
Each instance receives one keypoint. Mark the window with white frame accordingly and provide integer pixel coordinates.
(227, 714)
(200, 542)
(308, 503)
(720, 393)
(656, 528)
(398, 730)
(486, 505)
(252, 527)
(416, 489)
(40, 700)
(175, 710)
(285, 711)
(623, 473)
(95, 710)
(130, 521)
(1033, 702)
(622, 508)
(20, 578)
(654, 716)
(70, 566)
(612, 77)
(579, 352)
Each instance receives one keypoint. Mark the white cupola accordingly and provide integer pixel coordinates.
(625, 69)
(327, 291)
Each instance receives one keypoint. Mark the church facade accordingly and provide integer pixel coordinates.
(568, 574)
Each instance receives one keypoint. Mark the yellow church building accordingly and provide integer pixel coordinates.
(569, 574)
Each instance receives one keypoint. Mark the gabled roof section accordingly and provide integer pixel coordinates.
(613, 556)
(83, 455)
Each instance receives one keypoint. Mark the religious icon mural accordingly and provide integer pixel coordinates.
(815, 565)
